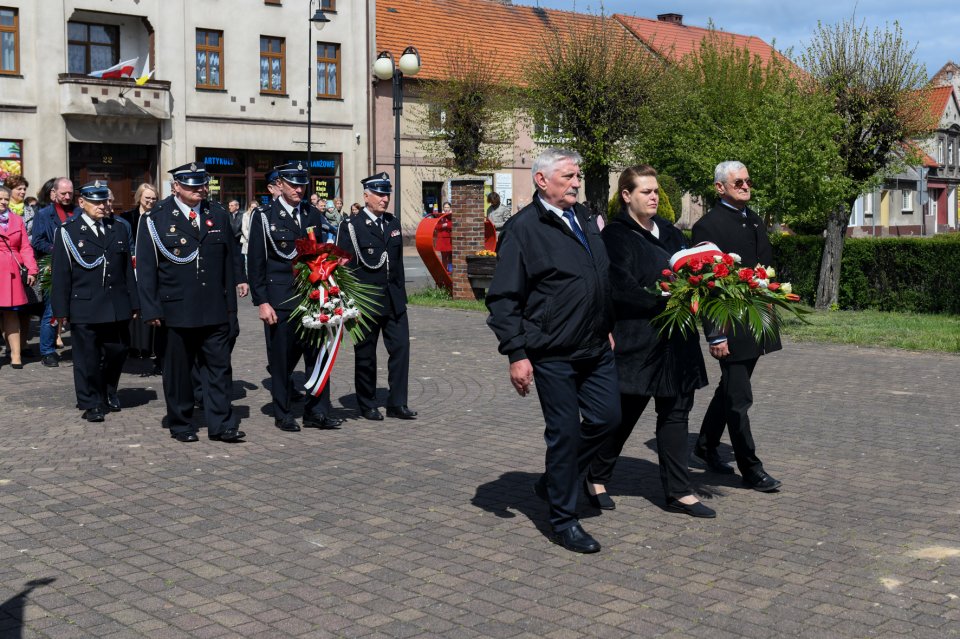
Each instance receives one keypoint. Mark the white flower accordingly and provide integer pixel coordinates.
(786, 288)
(770, 271)
(736, 258)
(763, 283)
(717, 258)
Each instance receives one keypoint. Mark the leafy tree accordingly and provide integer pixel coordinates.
(871, 77)
(597, 82)
(468, 115)
(723, 103)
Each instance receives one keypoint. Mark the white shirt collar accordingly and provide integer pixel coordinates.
(558, 212)
(183, 206)
(89, 220)
(742, 211)
(286, 205)
(372, 216)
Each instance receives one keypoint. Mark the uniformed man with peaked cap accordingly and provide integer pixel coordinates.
(95, 290)
(187, 280)
(274, 230)
(374, 240)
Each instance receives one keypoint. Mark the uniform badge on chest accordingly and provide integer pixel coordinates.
(80, 243)
(209, 224)
(370, 251)
(173, 229)
(183, 240)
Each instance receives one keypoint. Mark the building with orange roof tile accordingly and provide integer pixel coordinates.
(510, 35)
(922, 199)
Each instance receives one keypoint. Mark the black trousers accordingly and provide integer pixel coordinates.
(581, 407)
(396, 338)
(209, 348)
(672, 413)
(729, 406)
(284, 350)
(99, 351)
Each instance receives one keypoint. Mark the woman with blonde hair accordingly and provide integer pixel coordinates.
(15, 254)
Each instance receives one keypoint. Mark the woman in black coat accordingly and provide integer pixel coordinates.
(668, 370)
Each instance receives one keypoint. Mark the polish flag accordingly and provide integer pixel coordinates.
(122, 70)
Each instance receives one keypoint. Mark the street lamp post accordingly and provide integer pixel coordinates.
(317, 21)
(385, 69)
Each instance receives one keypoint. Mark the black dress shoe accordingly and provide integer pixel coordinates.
(694, 510)
(401, 412)
(371, 413)
(600, 500)
(50, 361)
(186, 437)
(231, 435)
(288, 424)
(763, 482)
(113, 403)
(16, 366)
(575, 539)
(712, 460)
(93, 414)
(321, 421)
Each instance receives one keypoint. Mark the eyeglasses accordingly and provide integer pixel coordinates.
(738, 184)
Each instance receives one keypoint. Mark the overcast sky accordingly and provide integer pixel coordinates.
(930, 25)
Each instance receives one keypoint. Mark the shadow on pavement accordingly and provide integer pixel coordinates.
(514, 491)
(12, 610)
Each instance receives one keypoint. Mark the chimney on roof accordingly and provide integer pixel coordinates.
(672, 18)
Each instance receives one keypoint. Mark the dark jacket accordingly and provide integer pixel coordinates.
(99, 295)
(132, 218)
(747, 237)
(45, 227)
(193, 294)
(370, 245)
(646, 363)
(550, 298)
(271, 276)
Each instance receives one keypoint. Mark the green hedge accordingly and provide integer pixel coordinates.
(887, 274)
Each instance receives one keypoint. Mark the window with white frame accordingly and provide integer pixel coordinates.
(868, 205)
(906, 199)
(940, 152)
(950, 159)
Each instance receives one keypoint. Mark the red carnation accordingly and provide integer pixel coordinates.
(666, 272)
(338, 311)
(727, 259)
(761, 273)
(314, 294)
(334, 290)
(754, 283)
(665, 286)
(696, 264)
(711, 284)
(773, 286)
(745, 274)
(695, 280)
(721, 270)
(324, 318)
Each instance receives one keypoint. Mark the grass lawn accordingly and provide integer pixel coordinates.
(863, 328)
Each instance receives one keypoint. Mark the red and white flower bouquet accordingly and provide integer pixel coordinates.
(331, 300)
(706, 283)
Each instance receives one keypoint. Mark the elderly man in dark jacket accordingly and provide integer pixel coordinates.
(549, 305)
(734, 228)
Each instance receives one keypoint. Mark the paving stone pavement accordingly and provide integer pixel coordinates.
(429, 528)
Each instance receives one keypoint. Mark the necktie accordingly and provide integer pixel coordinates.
(99, 228)
(572, 220)
(296, 216)
(380, 225)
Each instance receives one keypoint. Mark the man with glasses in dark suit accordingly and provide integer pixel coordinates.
(734, 228)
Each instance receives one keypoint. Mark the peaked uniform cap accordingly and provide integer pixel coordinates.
(97, 191)
(379, 183)
(193, 174)
(294, 173)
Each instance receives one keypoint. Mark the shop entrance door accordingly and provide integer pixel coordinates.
(123, 166)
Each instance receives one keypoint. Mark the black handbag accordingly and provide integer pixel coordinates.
(32, 292)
